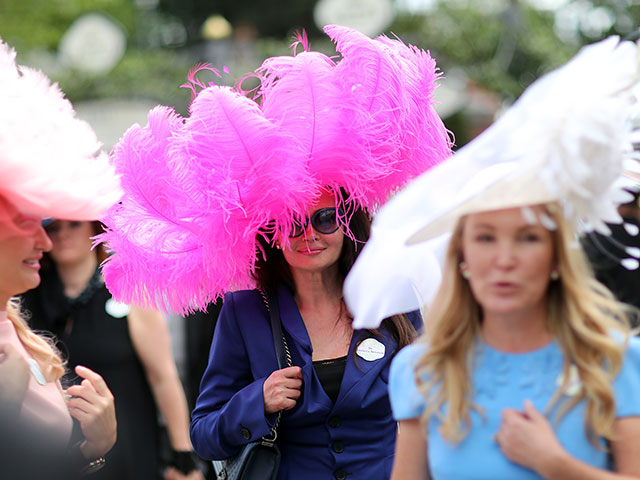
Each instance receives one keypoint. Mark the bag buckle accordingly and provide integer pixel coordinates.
(269, 440)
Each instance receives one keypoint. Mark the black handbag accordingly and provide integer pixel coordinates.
(260, 460)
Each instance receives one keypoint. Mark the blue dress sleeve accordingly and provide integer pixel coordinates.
(627, 384)
(406, 401)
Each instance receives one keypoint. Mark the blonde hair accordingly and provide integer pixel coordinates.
(40, 348)
(582, 316)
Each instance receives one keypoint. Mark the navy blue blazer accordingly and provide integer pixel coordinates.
(353, 438)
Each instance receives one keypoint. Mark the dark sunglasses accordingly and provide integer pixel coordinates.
(55, 227)
(324, 221)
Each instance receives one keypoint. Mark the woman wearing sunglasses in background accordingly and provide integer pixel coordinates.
(276, 196)
(130, 347)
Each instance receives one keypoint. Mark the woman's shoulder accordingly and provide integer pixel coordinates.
(409, 356)
(415, 317)
(243, 299)
(631, 359)
(627, 384)
(406, 400)
(245, 304)
(633, 347)
(241, 296)
(403, 365)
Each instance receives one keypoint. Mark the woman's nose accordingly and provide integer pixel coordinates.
(506, 254)
(310, 232)
(43, 242)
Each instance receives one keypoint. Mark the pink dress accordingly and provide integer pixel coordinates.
(43, 403)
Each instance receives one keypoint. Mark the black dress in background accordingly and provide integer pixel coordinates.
(92, 330)
(199, 327)
(605, 254)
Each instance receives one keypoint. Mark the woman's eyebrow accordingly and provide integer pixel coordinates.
(485, 226)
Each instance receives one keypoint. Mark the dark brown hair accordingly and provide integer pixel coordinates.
(100, 250)
(272, 268)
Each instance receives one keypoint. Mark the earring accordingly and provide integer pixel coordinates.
(555, 275)
(464, 270)
(278, 246)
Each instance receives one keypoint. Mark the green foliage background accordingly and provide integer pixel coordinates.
(501, 53)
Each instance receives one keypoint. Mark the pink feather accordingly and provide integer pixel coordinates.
(427, 142)
(200, 190)
(368, 72)
(303, 96)
(396, 84)
(197, 195)
(247, 165)
(150, 227)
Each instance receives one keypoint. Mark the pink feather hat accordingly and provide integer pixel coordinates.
(366, 121)
(50, 163)
(199, 191)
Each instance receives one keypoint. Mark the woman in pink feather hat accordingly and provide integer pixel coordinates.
(269, 204)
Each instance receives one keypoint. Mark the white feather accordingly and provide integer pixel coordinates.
(50, 164)
(631, 229)
(633, 251)
(630, 263)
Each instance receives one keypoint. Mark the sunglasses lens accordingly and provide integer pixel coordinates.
(297, 229)
(325, 220)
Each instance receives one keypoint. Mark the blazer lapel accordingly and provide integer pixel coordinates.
(361, 373)
(356, 375)
(292, 322)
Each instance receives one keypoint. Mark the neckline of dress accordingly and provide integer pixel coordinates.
(483, 345)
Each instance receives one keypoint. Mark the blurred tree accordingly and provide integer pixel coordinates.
(28, 24)
(505, 45)
(155, 75)
(271, 19)
(585, 21)
(501, 45)
(503, 50)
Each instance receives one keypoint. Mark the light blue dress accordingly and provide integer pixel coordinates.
(502, 380)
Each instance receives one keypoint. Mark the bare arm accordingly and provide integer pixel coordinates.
(411, 452)
(150, 337)
(528, 439)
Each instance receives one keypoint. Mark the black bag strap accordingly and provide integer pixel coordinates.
(282, 348)
(279, 342)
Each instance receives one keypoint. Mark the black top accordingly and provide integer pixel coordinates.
(605, 254)
(330, 373)
(92, 333)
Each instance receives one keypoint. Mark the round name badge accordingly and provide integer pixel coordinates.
(116, 309)
(370, 349)
(37, 372)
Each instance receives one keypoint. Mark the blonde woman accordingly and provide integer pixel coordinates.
(510, 373)
(129, 347)
(527, 368)
(48, 167)
(31, 383)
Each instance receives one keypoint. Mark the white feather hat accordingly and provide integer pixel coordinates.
(568, 139)
(49, 165)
